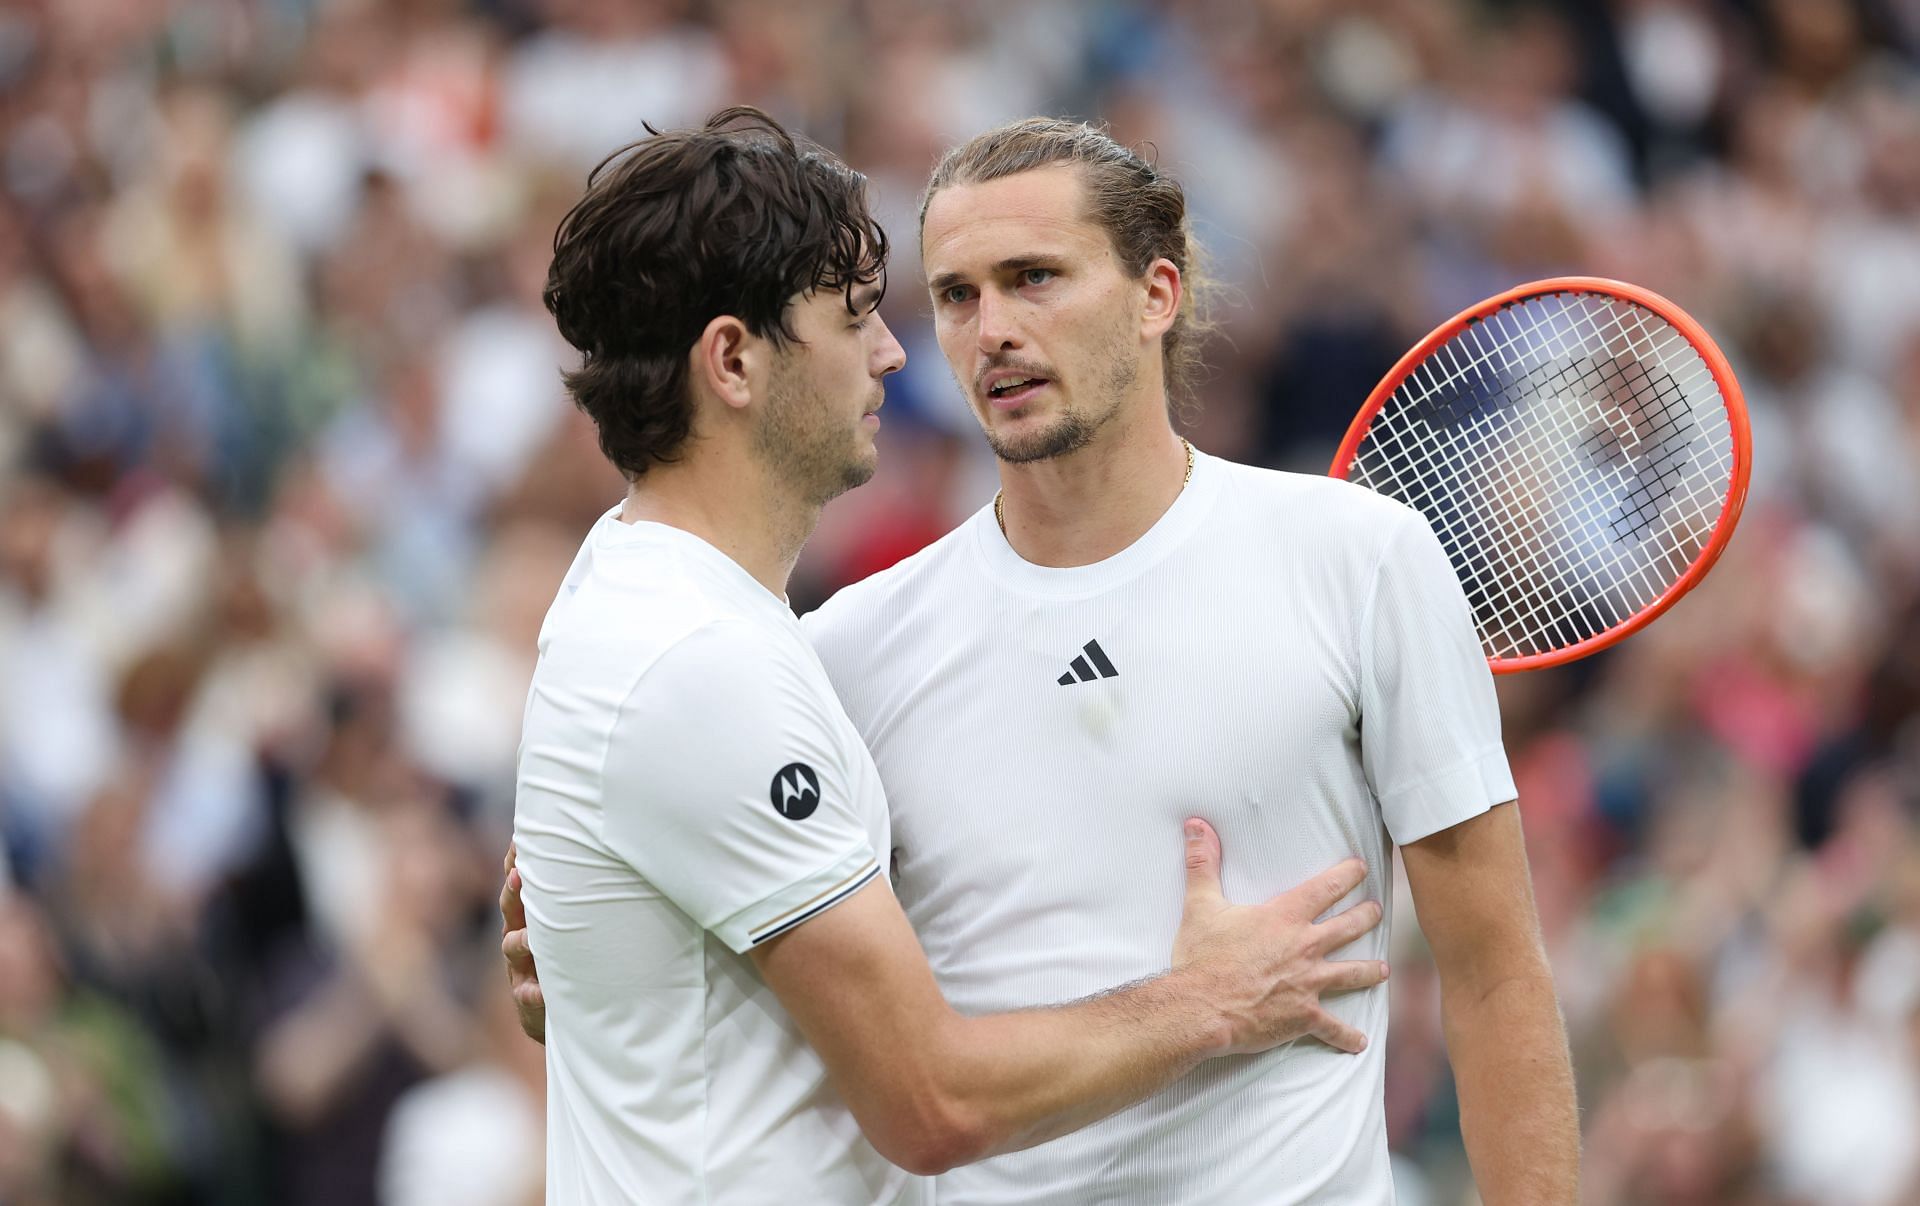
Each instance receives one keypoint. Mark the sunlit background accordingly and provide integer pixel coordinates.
(289, 479)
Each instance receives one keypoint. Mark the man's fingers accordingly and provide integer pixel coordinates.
(513, 912)
(1337, 1034)
(1343, 927)
(519, 954)
(1203, 863)
(1354, 975)
(1324, 890)
(529, 1000)
(507, 866)
(531, 1006)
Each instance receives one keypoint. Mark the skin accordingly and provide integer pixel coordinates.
(1505, 1037)
(1023, 285)
(1022, 281)
(807, 433)
(777, 432)
(934, 1089)
(523, 977)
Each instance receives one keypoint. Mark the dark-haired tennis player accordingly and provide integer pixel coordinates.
(737, 1008)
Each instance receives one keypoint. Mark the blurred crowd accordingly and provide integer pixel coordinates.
(287, 478)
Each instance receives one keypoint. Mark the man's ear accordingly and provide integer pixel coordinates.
(1164, 291)
(728, 360)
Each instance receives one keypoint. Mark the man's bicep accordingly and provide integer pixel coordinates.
(854, 977)
(1473, 896)
(729, 788)
(857, 983)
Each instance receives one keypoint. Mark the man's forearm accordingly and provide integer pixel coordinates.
(1511, 1069)
(1025, 1077)
(1504, 1035)
(934, 1089)
(1021, 1078)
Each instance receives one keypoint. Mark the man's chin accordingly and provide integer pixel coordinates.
(1022, 440)
(857, 473)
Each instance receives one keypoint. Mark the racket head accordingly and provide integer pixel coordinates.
(1630, 367)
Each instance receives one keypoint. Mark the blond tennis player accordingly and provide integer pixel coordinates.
(1132, 632)
(737, 1010)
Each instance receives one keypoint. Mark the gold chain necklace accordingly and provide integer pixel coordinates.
(999, 496)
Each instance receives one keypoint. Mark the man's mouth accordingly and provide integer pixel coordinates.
(1012, 392)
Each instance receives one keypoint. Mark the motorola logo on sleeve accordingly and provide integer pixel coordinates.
(796, 791)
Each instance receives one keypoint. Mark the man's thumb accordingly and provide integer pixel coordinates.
(1203, 862)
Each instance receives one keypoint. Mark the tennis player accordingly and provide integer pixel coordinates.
(738, 1009)
(1133, 631)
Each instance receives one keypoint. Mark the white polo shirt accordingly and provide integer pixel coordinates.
(688, 788)
(1290, 657)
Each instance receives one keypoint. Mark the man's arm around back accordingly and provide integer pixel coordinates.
(933, 1089)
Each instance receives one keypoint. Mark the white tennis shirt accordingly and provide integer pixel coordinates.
(1289, 657)
(688, 788)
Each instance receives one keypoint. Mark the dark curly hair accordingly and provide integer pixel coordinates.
(737, 217)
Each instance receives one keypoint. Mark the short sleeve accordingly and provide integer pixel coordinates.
(729, 785)
(1429, 721)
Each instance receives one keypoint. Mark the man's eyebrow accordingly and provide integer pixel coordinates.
(864, 298)
(1018, 263)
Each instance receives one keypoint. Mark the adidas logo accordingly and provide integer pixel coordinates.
(1083, 672)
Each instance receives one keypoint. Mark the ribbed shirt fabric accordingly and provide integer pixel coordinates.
(1290, 657)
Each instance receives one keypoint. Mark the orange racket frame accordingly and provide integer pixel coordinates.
(1723, 378)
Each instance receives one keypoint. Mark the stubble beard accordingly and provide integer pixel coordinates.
(1071, 430)
(803, 440)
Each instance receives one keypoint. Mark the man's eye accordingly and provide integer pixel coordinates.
(956, 295)
(1037, 276)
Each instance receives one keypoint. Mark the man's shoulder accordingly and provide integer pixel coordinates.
(896, 594)
(1317, 509)
(1325, 497)
(631, 602)
(619, 653)
(739, 671)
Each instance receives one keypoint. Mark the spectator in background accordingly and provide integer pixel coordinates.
(272, 387)
(83, 1115)
(351, 1031)
(474, 1135)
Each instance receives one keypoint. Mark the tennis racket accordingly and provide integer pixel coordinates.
(1580, 447)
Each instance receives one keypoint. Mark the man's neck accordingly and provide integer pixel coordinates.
(729, 502)
(1091, 504)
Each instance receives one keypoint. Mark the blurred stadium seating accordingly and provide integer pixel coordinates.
(287, 478)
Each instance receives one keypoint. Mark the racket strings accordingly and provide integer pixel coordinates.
(1572, 453)
(1529, 606)
(1532, 603)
